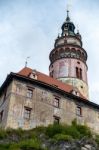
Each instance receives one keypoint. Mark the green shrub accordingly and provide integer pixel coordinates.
(97, 139)
(38, 130)
(62, 137)
(18, 132)
(74, 122)
(54, 129)
(30, 144)
(84, 130)
(3, 134)
(72, 131)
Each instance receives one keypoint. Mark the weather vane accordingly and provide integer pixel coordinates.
(26, 62)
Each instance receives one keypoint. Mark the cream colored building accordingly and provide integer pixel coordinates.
(30, 98)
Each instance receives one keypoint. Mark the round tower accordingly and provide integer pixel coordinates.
(68, 58)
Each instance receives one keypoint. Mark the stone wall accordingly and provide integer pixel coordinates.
(43, 108)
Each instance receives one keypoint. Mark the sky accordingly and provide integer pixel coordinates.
(28, 28)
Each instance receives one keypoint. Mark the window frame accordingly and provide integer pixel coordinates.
(56, 102)
(79, 110)
(29, 93)
(56, 119)
(27, 112)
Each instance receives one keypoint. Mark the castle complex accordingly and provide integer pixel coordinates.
(30, 98)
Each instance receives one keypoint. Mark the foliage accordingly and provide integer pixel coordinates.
(62, 137)
(97, 139)
(54, 129)
(3, 134)
(11, 139)
(30, 144)
(83, 130)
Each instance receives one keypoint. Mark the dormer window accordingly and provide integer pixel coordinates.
(33, 75)
(74, 92)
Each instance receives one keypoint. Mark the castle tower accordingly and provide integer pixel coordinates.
(68, 58)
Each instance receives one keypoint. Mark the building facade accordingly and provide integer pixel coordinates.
(30, 98)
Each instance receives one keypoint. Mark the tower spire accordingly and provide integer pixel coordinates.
(67, 18)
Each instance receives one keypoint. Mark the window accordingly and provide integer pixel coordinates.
(78, 62)
(27, 112)
(75, 92)
(56, 102)
(80, 73)
(77, 72)
(29, 93)
(79, 111)
(1, 115)
(56, 120)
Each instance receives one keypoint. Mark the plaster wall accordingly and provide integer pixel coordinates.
(43, 109)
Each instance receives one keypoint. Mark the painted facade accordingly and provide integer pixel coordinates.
(45, 105)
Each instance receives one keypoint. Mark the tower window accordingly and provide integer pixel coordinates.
(77, 72)
(78, 62)
(80, 73)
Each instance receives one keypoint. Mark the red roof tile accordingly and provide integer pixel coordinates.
(48, 80)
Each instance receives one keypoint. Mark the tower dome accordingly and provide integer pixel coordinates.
(68, 58)
(68, 27)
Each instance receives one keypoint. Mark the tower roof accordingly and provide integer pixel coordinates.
(67, 18)
(68, 27)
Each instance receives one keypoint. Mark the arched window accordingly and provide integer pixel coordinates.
(78, 54)
(79, 73)
(73, 53)
(62, 53)
(67, 52)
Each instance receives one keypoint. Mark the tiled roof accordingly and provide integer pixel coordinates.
(48, 80)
